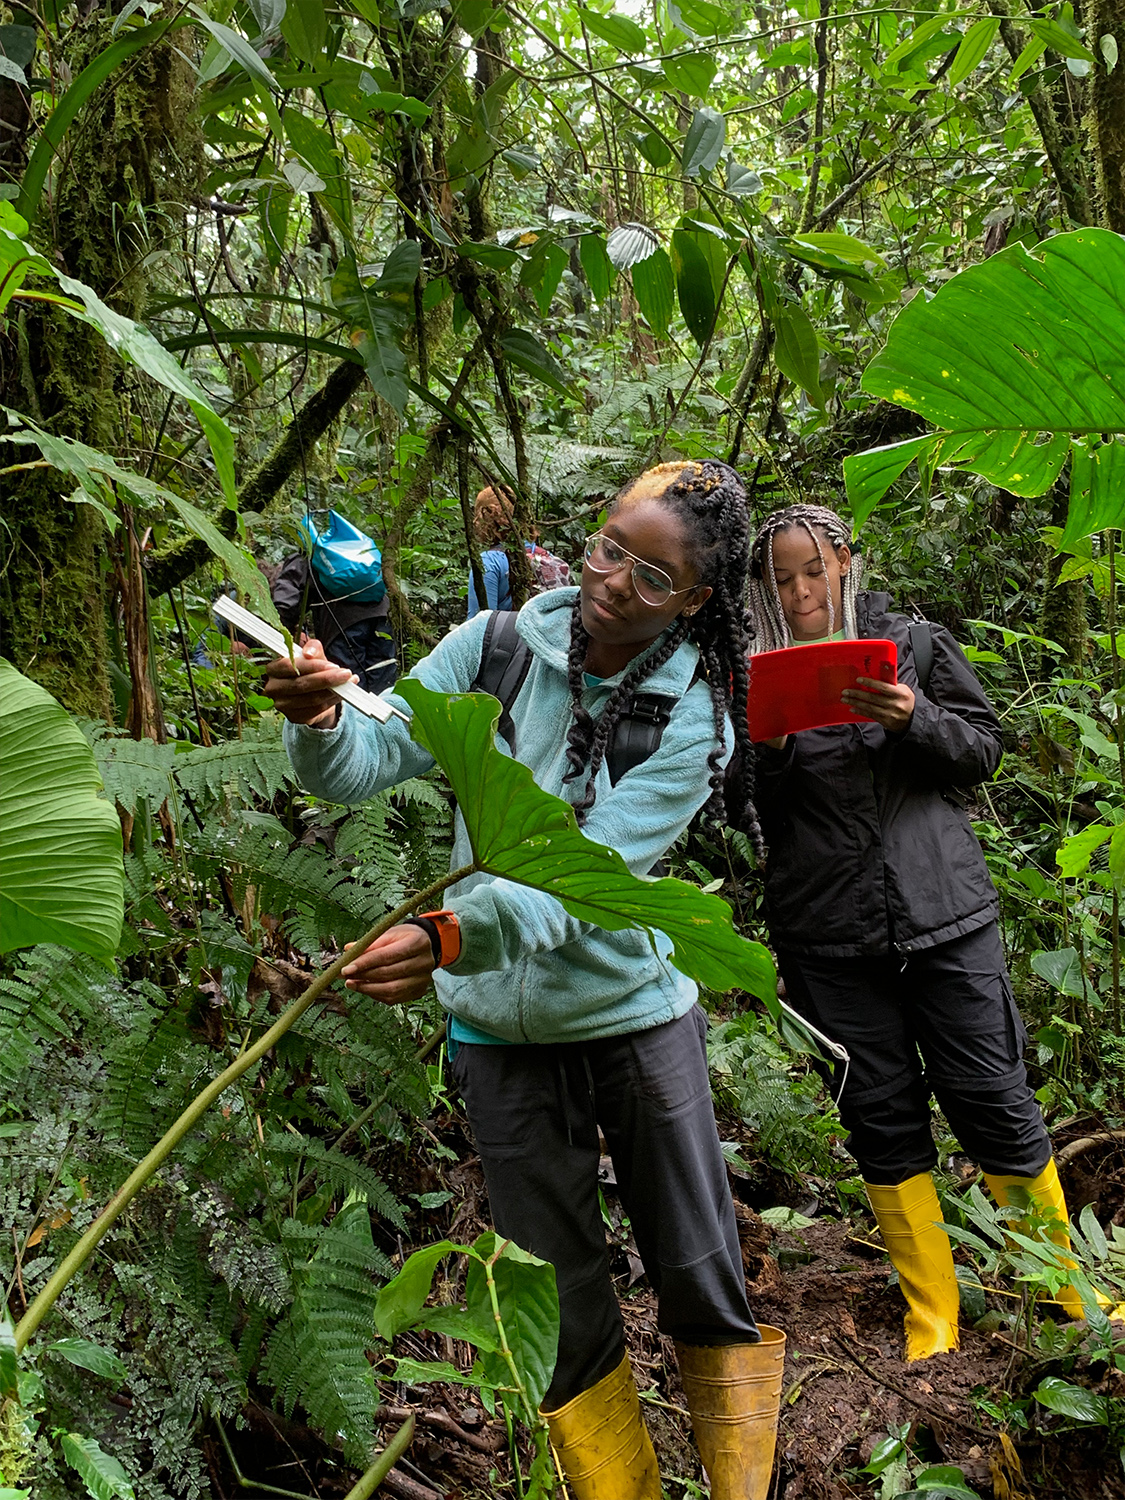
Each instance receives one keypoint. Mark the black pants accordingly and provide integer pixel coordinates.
(535, 1112)
(953, 1005)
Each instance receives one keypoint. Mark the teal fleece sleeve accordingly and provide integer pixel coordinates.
(361, 756)
(503, 922)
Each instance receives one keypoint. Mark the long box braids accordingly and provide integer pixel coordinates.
(709, 499)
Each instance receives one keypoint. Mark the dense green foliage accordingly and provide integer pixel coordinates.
(257, 258)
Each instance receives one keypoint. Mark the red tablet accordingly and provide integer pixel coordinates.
(800, 687)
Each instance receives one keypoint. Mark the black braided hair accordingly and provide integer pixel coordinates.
(709, 499)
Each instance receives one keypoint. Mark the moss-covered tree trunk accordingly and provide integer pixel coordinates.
(128, 163)
(1105, 120)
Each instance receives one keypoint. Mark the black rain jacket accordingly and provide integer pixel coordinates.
(870, 850)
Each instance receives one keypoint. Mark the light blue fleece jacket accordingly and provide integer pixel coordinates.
(528, 971)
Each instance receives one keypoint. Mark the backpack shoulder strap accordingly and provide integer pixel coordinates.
(641, 727)
(504, 661)
(922, 649)
(638, 732)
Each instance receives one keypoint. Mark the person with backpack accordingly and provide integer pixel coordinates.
(492, 526)
(335, 592)
(883, 915)
(558, 1027)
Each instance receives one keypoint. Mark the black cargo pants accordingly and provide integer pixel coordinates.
(535, 1113)
(940, 1021)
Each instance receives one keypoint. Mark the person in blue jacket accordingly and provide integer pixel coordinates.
(559, 1027)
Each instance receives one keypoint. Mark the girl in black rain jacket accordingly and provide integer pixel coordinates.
(883, 915)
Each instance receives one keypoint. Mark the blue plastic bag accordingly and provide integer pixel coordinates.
(347, 564)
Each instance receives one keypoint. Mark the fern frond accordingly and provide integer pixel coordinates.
(247, 1263)
(255, 764)
(45, 1002)
(316, 1356)
(343, 1173)
(132, 770)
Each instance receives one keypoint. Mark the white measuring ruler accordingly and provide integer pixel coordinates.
(263, 632)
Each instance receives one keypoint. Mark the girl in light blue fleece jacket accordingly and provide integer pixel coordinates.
(558, 1027)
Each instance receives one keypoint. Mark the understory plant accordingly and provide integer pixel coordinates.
(265, 1261)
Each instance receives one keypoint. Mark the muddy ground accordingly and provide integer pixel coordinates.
(846, 1387)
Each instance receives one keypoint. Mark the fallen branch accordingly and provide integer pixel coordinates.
(1087, 1143)
(490, 1441)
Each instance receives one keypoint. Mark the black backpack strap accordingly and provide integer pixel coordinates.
(638, 732)
(922, 650)
(504, 661)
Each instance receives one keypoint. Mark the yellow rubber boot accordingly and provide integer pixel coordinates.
(603, 1444)
(733, 1393)
(909, 1218)
(1046, 1190)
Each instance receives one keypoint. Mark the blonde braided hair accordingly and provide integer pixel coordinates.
(765, 615)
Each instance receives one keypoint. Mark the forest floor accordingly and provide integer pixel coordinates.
(846, 1388)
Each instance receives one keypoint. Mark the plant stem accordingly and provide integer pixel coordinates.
(384, 1463)
(147, 1168)
(1119, 736)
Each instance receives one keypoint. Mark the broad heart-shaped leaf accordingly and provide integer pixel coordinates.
(520, 832)
(1061, 969)
(61, 876)
(101, 1473)
(691, 72)
(1049, 375)
(96, 472)
(1097, 490)
(528, 1300)
(654, 286)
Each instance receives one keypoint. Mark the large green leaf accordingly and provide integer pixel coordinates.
(524, 350)
(522, 833)
(694, 285)
(99, 1471)
(1019, 362)
(130, 340)
(528, 1301)
(691, 72)
(97, 473)
(703, 143)
(796, 351)
(654, 286)
(305, 27)
(61, 876)
(618, 31)
(973, 50)
(1073, 1401)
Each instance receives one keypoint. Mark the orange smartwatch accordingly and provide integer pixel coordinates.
(444, 933)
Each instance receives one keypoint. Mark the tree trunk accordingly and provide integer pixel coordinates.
(130, 159)
(1105, 119)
